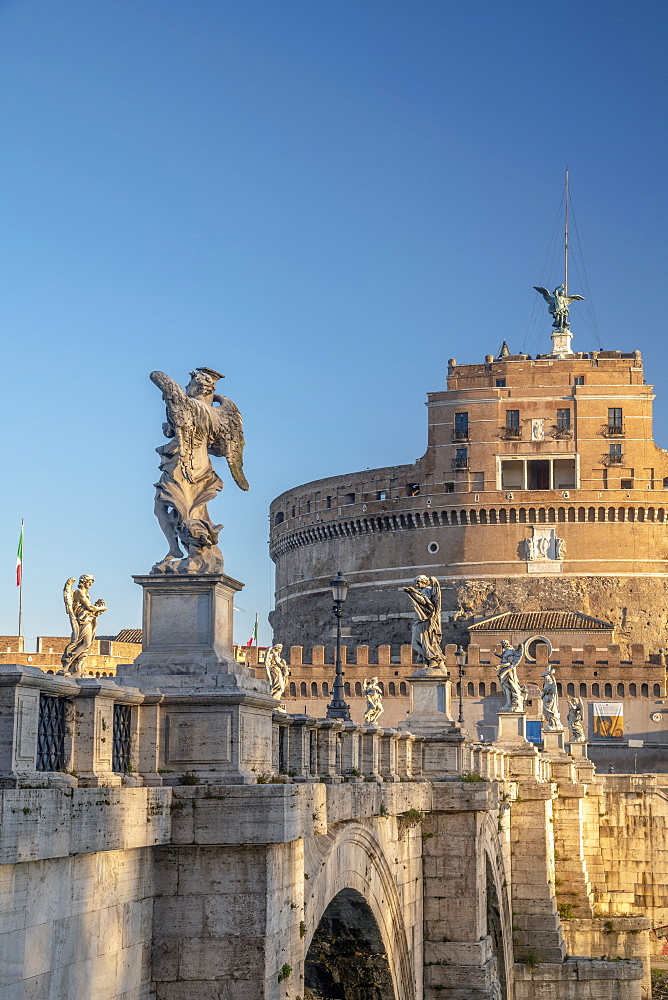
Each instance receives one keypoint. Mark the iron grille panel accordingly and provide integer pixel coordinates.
(51, 733)
(121, 741)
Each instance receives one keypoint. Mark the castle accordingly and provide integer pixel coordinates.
(541, 489)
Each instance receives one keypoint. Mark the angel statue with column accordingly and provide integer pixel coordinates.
(199, 424)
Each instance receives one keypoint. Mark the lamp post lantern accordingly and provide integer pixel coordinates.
(337, 708)
(460, 656)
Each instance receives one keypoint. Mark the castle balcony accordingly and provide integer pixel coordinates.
(459, 434)
(459, 464)
(562, 433)
(613, 430)
(511, 433)
(612, 459)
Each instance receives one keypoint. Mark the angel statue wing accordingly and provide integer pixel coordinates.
(436, 591)
(546, 293)
(69, 607)
(574, 298)
(229, 440)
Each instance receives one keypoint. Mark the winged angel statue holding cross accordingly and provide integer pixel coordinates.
(199, 424)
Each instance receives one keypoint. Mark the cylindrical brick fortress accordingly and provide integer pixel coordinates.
(541, 488)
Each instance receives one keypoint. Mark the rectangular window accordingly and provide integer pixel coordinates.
(512, 419)
(328, 503)
(413, 489)
(448, 487)
(563, 420)
(615, 454)
(579, 380)
(626, 484)
(381, 495)
(614, 416)
(500, 383)
(461, 426)
(461, 459)
(512, 475)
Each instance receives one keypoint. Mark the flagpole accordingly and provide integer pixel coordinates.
(21, 585)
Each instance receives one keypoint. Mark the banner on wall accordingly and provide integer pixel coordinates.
(608, 720)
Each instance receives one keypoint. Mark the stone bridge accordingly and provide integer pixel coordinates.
(396, 868)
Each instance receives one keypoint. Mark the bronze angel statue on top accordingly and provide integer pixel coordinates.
(558, 302)
(199, 424)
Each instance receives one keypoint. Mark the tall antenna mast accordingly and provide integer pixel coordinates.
(566, 241)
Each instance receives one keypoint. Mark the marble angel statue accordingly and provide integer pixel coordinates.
(83, 615)
(576, 720)
(550, 698)
(510, 658)
(374, 701)
(427, 631)
(199, 424)
(277, 669)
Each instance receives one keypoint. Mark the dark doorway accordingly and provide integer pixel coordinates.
(538, 475)
(494, 931)
(347, 959)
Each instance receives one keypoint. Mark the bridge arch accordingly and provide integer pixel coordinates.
(499, 911)
(350, 865)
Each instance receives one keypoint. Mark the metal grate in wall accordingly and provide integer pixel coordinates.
(51, 733)
(121, 741)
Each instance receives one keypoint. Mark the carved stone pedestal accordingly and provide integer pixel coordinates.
(215, 721)
(512, 728)
(429, 711)
(553, 741)
(187, 634)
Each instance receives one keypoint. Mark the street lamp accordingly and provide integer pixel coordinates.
(460, 657)
(337, 708)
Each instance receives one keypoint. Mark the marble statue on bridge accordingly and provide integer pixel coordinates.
(199, 424)
(83, 615)
(510, 658)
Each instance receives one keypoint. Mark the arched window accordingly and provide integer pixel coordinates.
(503, 517)
(382, 688)
(561, 514)
(458, 687)
(570, 690)
(492, 517)
(462, 517)
(358, 689)
(632, 513)
(314, 689)
(293, 689)
(621, 514)
(453, 517)
(523, 516)
(302, 689)
(513, 515)
(571, 514)
(657, 691)
(325, 690)
(601, 513)
(559, 691)
(608, 690)
(644, 691)
(532, 515)
(473, 517)
(595, 691)
(611, 514)
(470, 689)
(581, 514)
(620, 690)
(391, 688)
(583, 690)
(481, 689)
(662, 514)
(591, 514)
(492, 688)
(632, 690)
(641, 513)
(483, 517)
(551, 515)
(279, 518)
(346, 688)
(650, 514)
(541, 515)
(403, 689)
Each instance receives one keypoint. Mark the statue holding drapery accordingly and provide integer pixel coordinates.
(83, 615)
(427, 631)
(199, 424)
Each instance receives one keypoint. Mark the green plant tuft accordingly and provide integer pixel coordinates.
(285, 972)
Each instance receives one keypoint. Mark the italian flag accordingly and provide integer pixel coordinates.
(19, 558)
(253, 638)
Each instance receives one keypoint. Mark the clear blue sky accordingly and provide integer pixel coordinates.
(324, 200)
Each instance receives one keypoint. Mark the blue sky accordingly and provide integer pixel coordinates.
(325, 201)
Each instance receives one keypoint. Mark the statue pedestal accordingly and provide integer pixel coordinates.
(429, 711)
(187, 633)
(216, 715)
(512, 727)
(578, 751)
(553, 741)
